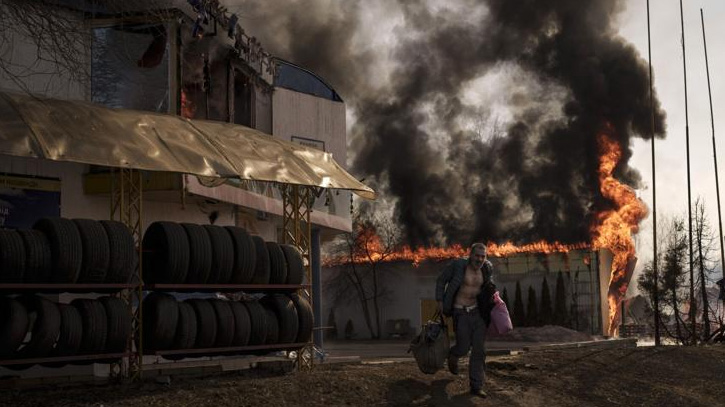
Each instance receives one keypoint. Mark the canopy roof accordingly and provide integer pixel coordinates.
(87, 133)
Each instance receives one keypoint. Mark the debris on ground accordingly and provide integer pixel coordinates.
(685, 376)
(546, 333)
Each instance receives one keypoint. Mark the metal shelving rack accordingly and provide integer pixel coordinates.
(126, 206)
(37, 288)
(228, 288)
(181, 288)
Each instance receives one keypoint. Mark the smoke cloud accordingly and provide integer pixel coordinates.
(486, 126)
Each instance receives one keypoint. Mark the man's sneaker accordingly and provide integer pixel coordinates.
(479, 393)
(453, 364)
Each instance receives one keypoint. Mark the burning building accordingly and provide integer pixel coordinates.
(406, 288)
(597, 273)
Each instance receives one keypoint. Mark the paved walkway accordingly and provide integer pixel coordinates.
(398, 349)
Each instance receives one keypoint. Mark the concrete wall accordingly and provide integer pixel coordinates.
(320, 120)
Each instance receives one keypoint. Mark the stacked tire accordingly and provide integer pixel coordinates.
(68, 251)
(34, 327)
(185, 253)
(218, 325)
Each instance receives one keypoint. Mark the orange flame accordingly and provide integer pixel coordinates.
(368, 248)
(614, 228)
(188, 108)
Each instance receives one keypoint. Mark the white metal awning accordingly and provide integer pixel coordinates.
(83, 132)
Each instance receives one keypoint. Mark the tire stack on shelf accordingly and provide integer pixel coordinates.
(209, 258)
(63, 255)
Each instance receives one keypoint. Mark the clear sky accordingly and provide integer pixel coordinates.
(667, 61)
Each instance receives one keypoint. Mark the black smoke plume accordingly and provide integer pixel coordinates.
(569, 76)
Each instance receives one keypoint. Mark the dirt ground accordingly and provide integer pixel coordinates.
(645, 376)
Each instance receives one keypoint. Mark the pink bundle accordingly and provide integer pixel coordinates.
(500, 320)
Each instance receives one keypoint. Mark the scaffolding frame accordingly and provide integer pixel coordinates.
(297, 202)
(127, 207)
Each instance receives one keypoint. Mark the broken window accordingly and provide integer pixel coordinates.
(130, 67)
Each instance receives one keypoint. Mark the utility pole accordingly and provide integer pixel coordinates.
(717, 179)
(654, 186)
(689, 188)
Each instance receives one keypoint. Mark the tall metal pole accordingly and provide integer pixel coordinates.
(714, 149)
(689, 189)
(654, 186)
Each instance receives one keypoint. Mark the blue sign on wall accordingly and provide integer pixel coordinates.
(24, 200)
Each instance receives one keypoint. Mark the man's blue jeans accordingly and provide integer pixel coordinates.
(471, 333)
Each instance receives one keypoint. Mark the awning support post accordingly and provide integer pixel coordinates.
(297, 201)
(127, 208)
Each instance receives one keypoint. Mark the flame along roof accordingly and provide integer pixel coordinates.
(83, 132)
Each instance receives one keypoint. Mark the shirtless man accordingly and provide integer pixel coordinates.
(460, 290)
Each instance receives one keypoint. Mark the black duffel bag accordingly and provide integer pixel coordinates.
(430, 347)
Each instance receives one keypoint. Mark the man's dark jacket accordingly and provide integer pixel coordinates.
(451, 279)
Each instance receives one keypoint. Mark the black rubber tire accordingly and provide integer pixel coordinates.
(71, 334)
(242, 324)
(200, 254)
(160, 316)
(258, 320)
(277, 264)
(245, 255)
(295, 264)
(287, 318)
(166, 253)
(95, 326)
(38, 261)
(66, 248)
(186, 328)
(272, 337)
(96, 251)
(12, 257)
(222, 260)
(71, 331)
(13, 326)
(123, 254)
(262, 265)
(225, 328)
(206, 323)
(45, 328)
(306, 318)
(119, 324)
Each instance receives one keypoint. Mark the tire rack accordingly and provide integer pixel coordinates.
(297, 201)
(35, 288)
(228, 288)
(127, 207)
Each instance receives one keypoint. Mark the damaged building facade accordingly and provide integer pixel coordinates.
(194, 60)
(155, 86)
(407, 292)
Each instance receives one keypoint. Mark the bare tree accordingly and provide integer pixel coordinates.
(360, 255)
(672, 281)
(705, 242)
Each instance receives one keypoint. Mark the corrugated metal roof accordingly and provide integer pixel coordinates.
(82, 132)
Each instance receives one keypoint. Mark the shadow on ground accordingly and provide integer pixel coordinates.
(412, 392)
